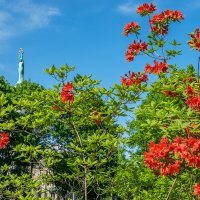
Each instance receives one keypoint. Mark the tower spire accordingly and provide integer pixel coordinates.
(21, 66)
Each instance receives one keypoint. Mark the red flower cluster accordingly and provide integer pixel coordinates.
(132, 27)
(187, 150)
(188, 79)
(157, 68)
(195, 40)
(161, 156)
(160, 22)
(187, 130)
(193, 100)
(197, 189)
(163, 30)
(134, 49)
(4, 140)
(67, 95)
(189, 90)
(170, 93)
(146, 9)
(194, 103)
(132, 78)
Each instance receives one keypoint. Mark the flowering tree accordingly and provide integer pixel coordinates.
(169, 117)
(71, 133)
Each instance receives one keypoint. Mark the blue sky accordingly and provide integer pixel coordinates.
(84, 33)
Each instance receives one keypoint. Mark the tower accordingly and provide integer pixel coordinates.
(21, 66)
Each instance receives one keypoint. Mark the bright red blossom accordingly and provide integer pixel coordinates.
(193, 102)
(177, 15)
(166, 16)
(163, 30)
(193, 98)
(67, 95)
(170, 93)
(189, 90)
(161, 156)
(193, 125)
(157, 68)
(146, 9)
(157, 18)
(189, 79)
(160, 22)
(68, 87)
(132, 27)
(133, 78)
(4, 140)
(194, 42)
(134, 49)
(197, 189)
(187, 130)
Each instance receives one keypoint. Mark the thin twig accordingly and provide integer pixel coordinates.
(170, 191)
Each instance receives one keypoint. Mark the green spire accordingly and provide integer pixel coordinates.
(21, 66)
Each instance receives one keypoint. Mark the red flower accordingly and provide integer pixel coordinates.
(160, 22)
(4, 140)
(148, 68)
(187, 130)
(163, 30)
(166, 16)
(67, 95)
(157, 68)
(171, 168)
(197, 189)
(157, 18)
(194, 43)
(189, 79)
(163, 156)
(143, 78)
(130, 56)
(132, 78)
(134, 49)
(68, 87)
(146, 9)
(177, 15)
(132, 27)
(189, 150)
(193, 125)
(160, 158)
(168, 13)
(170, 93)
(189, 90)
(193, 102)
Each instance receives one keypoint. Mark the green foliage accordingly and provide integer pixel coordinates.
(73, 151)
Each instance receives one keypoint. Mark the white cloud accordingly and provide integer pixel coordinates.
(20, 16)
(127, 8)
